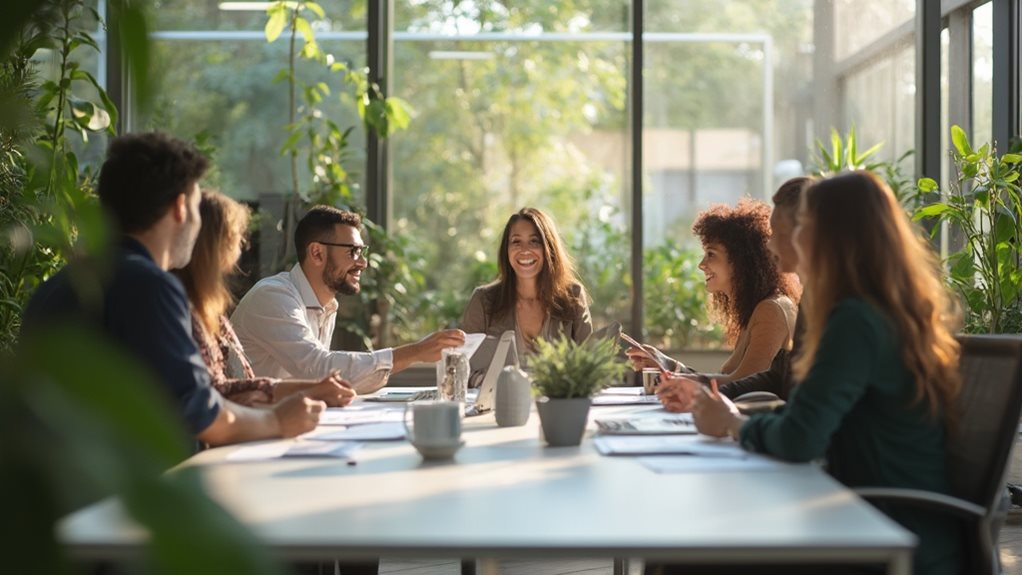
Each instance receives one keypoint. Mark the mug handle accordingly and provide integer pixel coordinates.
(404, 421)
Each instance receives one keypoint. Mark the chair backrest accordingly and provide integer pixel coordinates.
(989, 410)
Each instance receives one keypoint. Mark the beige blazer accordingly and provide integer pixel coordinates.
(479, 319)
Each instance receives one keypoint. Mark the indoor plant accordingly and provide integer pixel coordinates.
(566, 374)
(982, 206)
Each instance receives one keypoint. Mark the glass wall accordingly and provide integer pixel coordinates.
(529, 103)
(517, 105)
(858, 23)
(983, 74)
(218, 84)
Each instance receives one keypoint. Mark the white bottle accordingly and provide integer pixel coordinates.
(513, 398)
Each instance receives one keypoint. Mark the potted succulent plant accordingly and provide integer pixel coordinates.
(566, 375)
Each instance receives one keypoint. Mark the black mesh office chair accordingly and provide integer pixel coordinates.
(979, 451)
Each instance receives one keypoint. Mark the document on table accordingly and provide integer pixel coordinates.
(368, 432)
(624, 399)
(296, 448)
(668, 445)
(346, 416)
(689, 464)
(653, 423)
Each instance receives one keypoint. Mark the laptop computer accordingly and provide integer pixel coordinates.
(486, 364)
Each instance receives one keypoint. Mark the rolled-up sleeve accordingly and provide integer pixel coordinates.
(271, 321)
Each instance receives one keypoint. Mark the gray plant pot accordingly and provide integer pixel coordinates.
(563, 420)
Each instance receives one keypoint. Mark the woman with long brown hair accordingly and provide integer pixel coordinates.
(214, 257)
(877, 371)
(538, 294)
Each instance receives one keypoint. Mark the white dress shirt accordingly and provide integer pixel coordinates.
(286, 333)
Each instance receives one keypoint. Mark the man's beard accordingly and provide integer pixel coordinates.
(339, 284)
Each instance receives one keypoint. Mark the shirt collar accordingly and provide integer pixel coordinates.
(132, 245)
(305, 290)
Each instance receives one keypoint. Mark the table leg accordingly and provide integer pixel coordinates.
(620, 566)
(901, 564)
(488, 566)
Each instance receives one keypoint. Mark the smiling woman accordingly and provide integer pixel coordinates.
(538, 294)
(749, 293)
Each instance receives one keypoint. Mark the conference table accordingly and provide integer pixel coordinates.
(505, 495)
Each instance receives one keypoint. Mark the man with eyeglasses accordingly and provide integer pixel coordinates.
(286, 321)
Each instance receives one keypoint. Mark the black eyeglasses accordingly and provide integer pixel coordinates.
(356, 250)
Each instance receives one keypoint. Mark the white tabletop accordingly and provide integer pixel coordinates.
(506, 495)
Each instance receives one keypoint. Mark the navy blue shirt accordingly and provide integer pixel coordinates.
(145, 310)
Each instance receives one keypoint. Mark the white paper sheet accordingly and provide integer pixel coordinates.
(625, 400)
(344, 416)
(472, 343)
(294, 448)
(668, 445)
(691, 464)
(368, 432)
(622, 391)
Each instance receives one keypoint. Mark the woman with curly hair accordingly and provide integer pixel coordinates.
(538, 294)
(749, 293)
(878, 367)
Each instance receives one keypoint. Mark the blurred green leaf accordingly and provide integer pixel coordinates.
(275, 25)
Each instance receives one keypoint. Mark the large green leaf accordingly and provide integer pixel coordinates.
(960, 141)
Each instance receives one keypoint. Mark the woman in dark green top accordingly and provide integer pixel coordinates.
(877, 372)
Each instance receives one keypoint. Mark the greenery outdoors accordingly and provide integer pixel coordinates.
(563, 369)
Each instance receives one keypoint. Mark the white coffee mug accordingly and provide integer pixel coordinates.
(434, 423)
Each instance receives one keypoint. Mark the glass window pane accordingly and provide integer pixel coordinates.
(460, 18)
(223, 94)
(505, 124)
(879, 101)
(861, 22)
(227, 15)
(982, 75)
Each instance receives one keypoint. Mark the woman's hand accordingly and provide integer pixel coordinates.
(677, 393)
(715, 414)
(332, 390)
(640, 357)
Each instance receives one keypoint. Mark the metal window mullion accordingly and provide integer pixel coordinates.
(637, 128)
(379, 53)
(927, 136)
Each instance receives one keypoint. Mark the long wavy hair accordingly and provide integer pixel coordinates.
(555, 281)
(743, 231)
(224, 223)
(864, 246)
